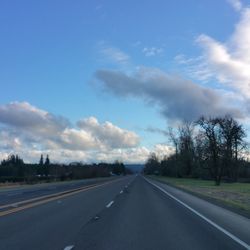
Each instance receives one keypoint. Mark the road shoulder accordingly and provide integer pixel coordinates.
(232, 222)
(210, 199)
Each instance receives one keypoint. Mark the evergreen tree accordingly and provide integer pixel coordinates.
(46, 166)
(41, 160)
(47, 161)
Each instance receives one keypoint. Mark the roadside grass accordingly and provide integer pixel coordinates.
(233, 195)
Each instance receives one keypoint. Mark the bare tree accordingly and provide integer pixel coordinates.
(186, 147)
(152, 165)
(225, 139)
(173, 139)
(232, 135)
(211, 130)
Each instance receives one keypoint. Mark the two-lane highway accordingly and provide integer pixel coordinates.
(128, 213)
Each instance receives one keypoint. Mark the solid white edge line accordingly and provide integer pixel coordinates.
(69, 247)
(110, 204)
(233, 237)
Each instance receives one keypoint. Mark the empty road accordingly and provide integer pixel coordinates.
(122, 213)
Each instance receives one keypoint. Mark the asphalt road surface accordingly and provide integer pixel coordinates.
(126, 213)
(22, 193)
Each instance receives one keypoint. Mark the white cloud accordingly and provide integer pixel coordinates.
(108, 133)
(135, 155)
(8, 141)
(75, 139)
(182, 59)
(114, 55)
(162, 150)
(152, 51)
(229, 62)
(225, 64)
(236, 4)
(132, 155)
(30, 131)
(88, 141)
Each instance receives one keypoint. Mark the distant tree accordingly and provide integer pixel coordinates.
(46, 166)
(201, 168)
(186, 149)
(232, 135)
(118, 168)
(12, 160)
(47, 161)
(168, 166)
(14, 165)
(174, 140)
(152, 165)
(183, 141)
(224, 139)
(211, 130)
(41, 160)
(20, 166)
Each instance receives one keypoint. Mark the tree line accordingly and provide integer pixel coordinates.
(14, 169)
(209, 148)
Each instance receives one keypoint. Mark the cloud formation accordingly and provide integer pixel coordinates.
(135, 155)
(152, 51)
(108, 133)
(177, 98)
(236, 4)
(24, 116)
(30, 131)
(114, 55)
(225, 64)
(229, 61)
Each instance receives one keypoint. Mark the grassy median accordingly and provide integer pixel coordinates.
(232, 195)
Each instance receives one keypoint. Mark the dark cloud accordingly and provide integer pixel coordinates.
(176, 97)
(156, 130)
(22, 115)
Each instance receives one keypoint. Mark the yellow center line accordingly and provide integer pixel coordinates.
(42, 197)
(48, 198)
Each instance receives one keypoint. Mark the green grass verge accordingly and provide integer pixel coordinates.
(234, 195)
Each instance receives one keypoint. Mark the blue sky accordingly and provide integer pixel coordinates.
(120, 69)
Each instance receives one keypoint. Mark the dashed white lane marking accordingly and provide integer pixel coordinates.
(233, 237)
(121, 192)
(69, 247)
(126, 186)
(110, 204)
